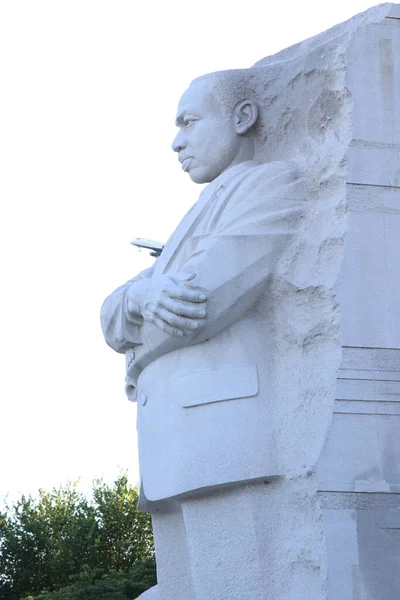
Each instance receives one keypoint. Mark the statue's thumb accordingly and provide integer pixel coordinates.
(188, 276)
(184, 276)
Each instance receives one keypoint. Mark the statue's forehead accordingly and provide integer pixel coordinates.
(197, 97)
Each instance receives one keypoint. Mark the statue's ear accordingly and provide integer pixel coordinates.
(245, 115)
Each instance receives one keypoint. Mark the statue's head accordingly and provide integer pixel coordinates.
(217, 119)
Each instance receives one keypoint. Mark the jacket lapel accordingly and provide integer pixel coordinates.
(185, 228)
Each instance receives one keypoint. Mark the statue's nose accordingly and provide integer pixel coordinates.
(179, 143)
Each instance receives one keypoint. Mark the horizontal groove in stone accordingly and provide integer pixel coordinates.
(359, 500)
(359, 407)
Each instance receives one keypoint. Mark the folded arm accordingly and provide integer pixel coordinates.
(164, 301)
(233, 264)
(122, 327)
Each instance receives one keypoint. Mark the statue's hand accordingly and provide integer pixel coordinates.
(166, 302)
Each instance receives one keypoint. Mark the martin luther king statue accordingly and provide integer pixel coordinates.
(232, 338)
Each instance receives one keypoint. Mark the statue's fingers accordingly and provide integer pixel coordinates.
(183, 293)
(177, 321)
(183, 309)
(161, 324)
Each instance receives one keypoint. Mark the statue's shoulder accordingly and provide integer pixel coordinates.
(275, 173)
(274, 169)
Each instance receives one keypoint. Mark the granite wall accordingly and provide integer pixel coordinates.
(359, 472)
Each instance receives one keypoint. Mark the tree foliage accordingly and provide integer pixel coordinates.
(114, 585)
(60, 539)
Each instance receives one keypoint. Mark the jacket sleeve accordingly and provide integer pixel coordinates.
(234, 262)
(121, 329)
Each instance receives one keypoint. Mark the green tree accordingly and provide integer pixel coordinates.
(46, 540)
(125, 534)
(115, 585)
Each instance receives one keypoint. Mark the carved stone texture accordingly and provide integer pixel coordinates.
(359, 471)
(232, 339)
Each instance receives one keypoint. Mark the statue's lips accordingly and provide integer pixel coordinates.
(185, 162)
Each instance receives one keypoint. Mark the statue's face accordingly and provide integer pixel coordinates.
(207, 141)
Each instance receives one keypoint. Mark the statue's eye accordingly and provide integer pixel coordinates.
(188, 122)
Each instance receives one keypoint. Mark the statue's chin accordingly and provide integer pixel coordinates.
(200, 176)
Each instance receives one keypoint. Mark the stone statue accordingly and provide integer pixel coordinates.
(232, 338)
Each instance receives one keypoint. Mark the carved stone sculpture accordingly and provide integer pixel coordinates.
(232, 338)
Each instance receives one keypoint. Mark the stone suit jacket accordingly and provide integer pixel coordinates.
(206, 400)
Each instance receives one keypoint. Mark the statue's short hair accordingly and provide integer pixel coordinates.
(231, 87)
(300, 97)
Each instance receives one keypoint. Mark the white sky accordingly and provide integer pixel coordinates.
(89, 90)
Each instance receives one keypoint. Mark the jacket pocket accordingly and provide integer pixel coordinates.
(215, 385)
